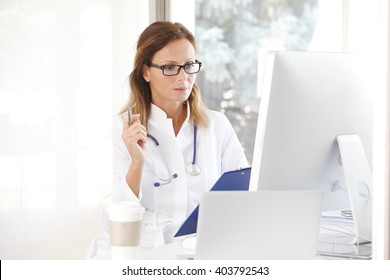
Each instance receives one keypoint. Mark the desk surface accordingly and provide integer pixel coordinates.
(176, 251)
(172, 251)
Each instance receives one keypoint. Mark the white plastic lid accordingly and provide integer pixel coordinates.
(123, 211)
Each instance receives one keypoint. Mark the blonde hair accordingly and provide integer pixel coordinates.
(155, 37)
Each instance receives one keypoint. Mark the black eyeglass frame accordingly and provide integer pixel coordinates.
(162, 67)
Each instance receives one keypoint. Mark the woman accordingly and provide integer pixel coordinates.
(172, 149)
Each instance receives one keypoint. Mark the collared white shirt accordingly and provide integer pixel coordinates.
(217, 150)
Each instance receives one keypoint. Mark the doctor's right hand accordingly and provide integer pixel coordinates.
(134, 135)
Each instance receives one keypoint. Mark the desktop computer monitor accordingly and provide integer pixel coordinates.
(307, 99)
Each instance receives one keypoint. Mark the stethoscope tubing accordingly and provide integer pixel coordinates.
(193, 170)
(194, 151)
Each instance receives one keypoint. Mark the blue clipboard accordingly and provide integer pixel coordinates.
(236, 180)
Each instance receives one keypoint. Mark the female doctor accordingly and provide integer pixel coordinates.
(168, 148)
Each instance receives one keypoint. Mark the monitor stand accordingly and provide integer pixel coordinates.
(358, 180)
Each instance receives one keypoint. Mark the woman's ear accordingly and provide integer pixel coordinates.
(146, 73)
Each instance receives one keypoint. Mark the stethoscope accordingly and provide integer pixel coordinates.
(192, 168)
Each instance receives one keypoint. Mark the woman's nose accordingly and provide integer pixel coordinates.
(182, 74)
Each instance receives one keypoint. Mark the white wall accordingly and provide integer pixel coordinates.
(382, 140)
(63, 67)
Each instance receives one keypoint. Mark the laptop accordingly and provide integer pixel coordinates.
(243, 225)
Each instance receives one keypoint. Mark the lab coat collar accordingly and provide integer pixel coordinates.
(158, 115)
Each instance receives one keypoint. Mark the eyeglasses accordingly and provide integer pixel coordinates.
(173, 70)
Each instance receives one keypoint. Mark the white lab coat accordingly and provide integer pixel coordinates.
(167, 206)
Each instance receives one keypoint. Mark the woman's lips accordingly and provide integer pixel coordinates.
(181, 89)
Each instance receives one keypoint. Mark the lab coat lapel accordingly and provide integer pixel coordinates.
(172, 198)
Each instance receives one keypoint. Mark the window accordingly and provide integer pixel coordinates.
(233, 37)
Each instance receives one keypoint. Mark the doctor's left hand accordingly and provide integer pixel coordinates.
(134, 135)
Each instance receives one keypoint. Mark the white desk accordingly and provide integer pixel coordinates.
(100, 250)
(172, 251)
(176, 251)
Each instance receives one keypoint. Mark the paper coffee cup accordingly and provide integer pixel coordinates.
(125, 220)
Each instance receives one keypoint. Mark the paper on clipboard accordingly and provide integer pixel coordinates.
(236, 180)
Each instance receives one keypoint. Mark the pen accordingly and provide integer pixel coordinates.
(129, 114)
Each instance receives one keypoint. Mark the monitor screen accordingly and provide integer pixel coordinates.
(307, 99)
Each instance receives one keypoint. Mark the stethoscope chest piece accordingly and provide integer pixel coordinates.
(193, 169)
